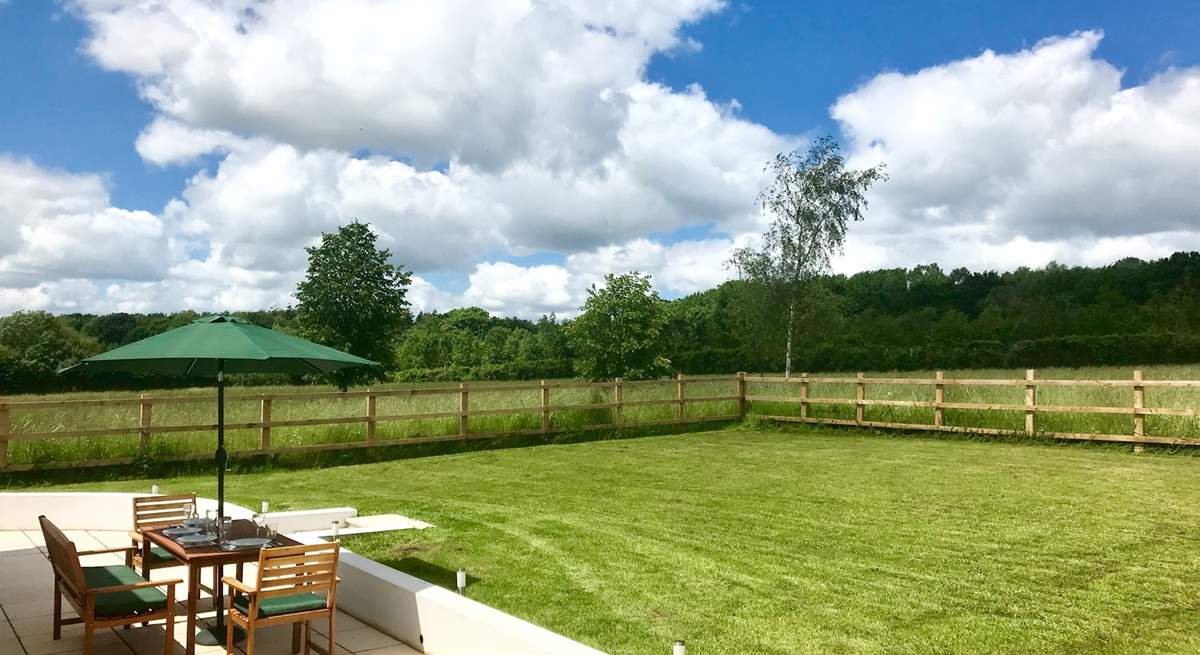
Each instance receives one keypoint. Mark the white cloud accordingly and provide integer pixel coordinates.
(488, 82)
(1017, 159)
(60, 226)
(530, 291)
(167, 141)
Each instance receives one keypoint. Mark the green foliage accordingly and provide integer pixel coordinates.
(620, 332)
(35, 345)
(353, 299)
(470, 344)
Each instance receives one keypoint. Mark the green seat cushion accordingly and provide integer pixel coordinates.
(122, 603)
(160, 555)
(279, 605)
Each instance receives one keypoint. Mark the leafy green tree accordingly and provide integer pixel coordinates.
(620, 332)
(811, 200)
(353, 299)
(38, 344)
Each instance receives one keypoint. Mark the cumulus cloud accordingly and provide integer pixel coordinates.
(490, 82)
(60, 225)
(167, 141)
(1023, 158)
(677, 269)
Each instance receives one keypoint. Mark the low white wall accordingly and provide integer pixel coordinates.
(69, 511)
(307, 520)
(424, 616)
(114, 511)
(436, 620)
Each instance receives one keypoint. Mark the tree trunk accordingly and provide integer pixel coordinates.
(787, 360)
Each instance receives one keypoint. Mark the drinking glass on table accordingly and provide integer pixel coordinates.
(260, 525)
(210, 522)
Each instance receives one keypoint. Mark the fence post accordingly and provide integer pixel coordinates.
(679, 397)
(860, 394)
(4, 430)
(145, 415)
(741, 393)
(463, 426)
(803, 396)
(264, 425)
(1030, 400)
(1139, 402)
(371, 404)
(545, 406)
(939, 397)
(618, 398)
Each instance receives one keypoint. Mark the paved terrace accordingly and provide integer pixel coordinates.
(26, 606)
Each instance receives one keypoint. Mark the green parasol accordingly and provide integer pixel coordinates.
(211, 347)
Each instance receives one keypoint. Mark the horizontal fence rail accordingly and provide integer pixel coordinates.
(146, 428)
(1031, 408)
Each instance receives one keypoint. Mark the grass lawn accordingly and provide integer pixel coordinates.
(802, 541)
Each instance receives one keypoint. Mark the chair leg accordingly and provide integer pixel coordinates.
(229, 624)
(89, 638)
(332, 619)
(169, 627)
(296, 637)
(57, 613)
(249, 638)
(307, 637)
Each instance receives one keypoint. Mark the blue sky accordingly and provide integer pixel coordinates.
(74, 108)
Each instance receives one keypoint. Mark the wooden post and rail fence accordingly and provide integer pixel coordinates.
(1030, 408)
(617, 405)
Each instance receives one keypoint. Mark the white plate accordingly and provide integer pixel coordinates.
(248, 542)
(197, 540)
(180, 531)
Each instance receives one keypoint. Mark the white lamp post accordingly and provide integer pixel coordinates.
(460, 579)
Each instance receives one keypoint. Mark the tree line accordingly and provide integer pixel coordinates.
(1129, 312)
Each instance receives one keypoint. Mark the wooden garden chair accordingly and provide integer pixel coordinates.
(104, 596)
(290, 581)
(149, 513)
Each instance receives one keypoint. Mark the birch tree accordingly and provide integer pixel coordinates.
(811, 200)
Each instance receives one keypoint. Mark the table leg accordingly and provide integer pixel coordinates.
(192, 602)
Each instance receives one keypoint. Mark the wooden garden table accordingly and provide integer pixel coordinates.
(198, 559)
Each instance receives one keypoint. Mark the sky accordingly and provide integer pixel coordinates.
(158, 155)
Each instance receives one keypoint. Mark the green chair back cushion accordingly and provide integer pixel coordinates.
(122, 603)
(159, 555)
(280, 605)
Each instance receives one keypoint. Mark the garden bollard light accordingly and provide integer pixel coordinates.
(679, 649)
(460, 579)
(154, 489)
(265, 507)
(336, 526)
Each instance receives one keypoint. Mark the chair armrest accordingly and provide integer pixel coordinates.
(131, 587)
(105, 551)
(234, 583)
(136, 535)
